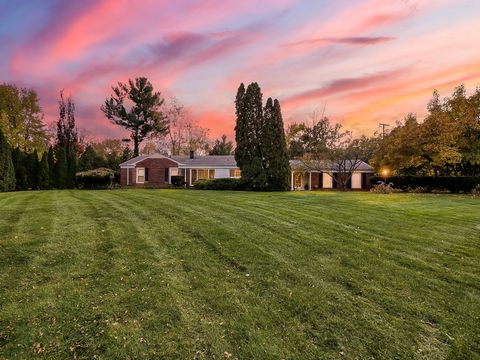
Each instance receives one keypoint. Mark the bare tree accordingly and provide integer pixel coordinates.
(184, 134)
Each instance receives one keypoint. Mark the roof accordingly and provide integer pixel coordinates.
(228, 161)
(207, 161)
(328, 165)
(133, 161)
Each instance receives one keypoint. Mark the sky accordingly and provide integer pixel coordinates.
(360, 62)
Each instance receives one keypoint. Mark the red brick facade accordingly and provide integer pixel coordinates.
(157, 175)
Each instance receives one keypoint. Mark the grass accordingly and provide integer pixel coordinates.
(199, 274)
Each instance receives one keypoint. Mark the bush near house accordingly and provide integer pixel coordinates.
(101, 178)
(177, 180)
(220, 184)
(453, 184)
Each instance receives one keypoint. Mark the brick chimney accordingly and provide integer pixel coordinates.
(192, 154)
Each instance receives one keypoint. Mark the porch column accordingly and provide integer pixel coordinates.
(128, 173)
(185, 176)
(291, 182)
(190, 179)
(309, 180)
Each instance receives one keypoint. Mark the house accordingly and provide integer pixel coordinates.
(157, 170)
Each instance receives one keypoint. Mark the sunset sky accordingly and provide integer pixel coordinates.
(365, 61)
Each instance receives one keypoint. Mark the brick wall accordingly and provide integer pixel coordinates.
(156, 173)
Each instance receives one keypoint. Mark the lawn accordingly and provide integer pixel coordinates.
(202, 274)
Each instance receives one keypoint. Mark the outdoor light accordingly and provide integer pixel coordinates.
(385, 172)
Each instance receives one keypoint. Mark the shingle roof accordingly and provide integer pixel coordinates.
(207, 161)
(229, 161)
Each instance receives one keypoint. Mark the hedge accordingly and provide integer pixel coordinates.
(454, 184)
(219, 184)
(101, 178)
(177, 180)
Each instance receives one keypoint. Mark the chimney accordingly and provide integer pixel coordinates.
(192, 154)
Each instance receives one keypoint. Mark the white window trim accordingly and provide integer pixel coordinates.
(136, 177)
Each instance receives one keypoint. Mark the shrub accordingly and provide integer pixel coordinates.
(177, 181)
(101, 178)
(476, 191)
(381, 188)
(220, 184)
(453, 184)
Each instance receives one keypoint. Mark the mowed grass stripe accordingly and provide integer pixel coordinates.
(328, 273)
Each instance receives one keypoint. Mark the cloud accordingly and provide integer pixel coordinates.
(361, 40)
(342, 85)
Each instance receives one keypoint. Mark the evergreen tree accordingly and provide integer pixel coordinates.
(21, 176)
(51, 168)
(67, 138)
(274, 148)
(61, 169)
(7, 171)
(44, 173)
(32, 165)
(89, 160)
(143, 117)
(127, 154)
(222, 147)
(248, 135)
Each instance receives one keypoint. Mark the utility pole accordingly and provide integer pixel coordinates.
(383, 129)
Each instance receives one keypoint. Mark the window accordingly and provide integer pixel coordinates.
(166, 179)
(146, 174)
(174, 171)
(140, 175)
(201, 174)
(235, 173)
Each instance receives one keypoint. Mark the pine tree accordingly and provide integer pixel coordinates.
(44, 173)
(18, 159)
(7, 172)
(126, 154)
(274, 148)
(61, 169)
(51, 168)
(89, 160)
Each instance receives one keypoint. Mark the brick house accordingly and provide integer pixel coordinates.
(156, 170)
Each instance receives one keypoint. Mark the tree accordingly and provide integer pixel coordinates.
(274, 147)
(7, 172)
(143, 117)
(67, 140)
(184, 133)
(44, 182)
(126, 154)
(329, 147)
(21, 173)
(32, 165)
(248, 136)
(222, 147)
(90, 160)
(51, 167)
(61, 169)
(110, 150)
(21, 118)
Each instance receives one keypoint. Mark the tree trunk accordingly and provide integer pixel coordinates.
(135, 143)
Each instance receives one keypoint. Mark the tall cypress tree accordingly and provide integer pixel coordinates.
(7, 172)
(248, 134)
(32, 165)
(61, 169)
(51, 168)
(44, 173)
(67, 138)
(275, 148)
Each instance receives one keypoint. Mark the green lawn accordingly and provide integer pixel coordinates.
(194, 274)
